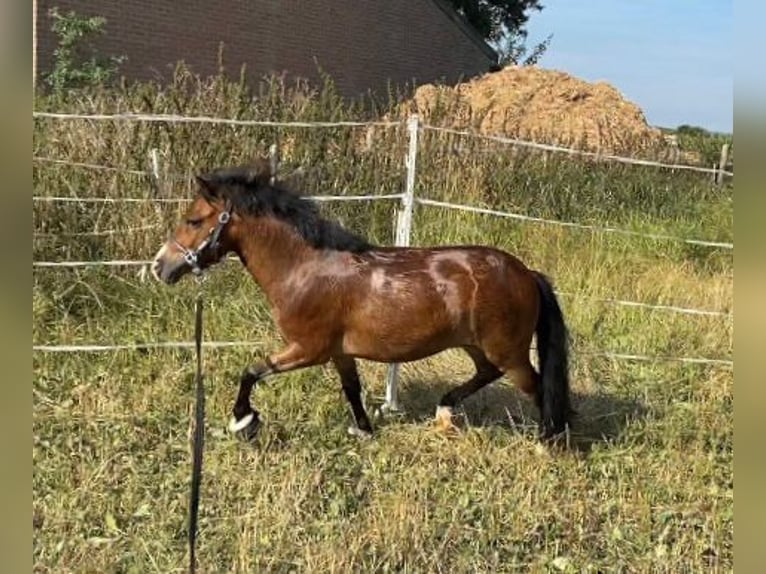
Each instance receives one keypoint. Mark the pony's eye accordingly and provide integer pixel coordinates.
(194, 222)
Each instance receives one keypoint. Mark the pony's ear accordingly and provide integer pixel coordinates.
(207, 187)
(259, 171)
(295, 179)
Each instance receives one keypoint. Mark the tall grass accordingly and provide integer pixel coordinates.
(647, 488)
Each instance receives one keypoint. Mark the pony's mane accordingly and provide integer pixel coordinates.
(252, 191)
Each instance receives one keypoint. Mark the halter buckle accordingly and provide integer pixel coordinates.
(191, 258)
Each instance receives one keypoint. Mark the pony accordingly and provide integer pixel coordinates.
(335, 297)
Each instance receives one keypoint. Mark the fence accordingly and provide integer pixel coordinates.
(407, 200)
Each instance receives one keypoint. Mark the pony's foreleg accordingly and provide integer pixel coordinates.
(352, 388)
(245, 419)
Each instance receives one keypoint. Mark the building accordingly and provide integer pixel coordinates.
(362, 44)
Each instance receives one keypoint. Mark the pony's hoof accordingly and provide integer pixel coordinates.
(553, 438)
(359, 433)
(245, 428)
(444, 421)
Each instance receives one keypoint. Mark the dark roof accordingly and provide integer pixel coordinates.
(466, 28)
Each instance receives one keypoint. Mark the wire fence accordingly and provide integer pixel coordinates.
(649, 306)
(85, 165)
(175, 345)
(54, 199)
(577, 152)
(608, 301)
(170, 118)
(597, 228)
(406, 198)
(176, 119)
(372, 197)
(421, 201)
(98, 232)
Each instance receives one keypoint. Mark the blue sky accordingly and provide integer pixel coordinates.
(674, 58)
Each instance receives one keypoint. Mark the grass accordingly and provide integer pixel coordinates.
(646, 486)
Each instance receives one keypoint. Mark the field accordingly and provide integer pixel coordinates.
(645, 486)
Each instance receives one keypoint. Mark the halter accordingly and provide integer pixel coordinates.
(192, 256)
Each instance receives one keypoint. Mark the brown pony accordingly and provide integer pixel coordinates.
(335, 297)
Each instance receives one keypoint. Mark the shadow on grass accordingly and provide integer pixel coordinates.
(601, 418)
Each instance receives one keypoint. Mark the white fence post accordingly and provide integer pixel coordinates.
(719, 176)
(273, 162)
(403, 232)
(154, 160)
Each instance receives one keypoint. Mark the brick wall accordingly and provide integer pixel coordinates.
(362, 44)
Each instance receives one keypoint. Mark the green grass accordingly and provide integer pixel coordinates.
(649, 490)
(646, 486)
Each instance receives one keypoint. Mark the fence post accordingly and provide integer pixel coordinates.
(719, 177)
(34, 47)
(273, 162)
(154, 161)
(403, 232)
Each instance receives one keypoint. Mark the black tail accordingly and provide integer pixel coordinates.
(552, 352)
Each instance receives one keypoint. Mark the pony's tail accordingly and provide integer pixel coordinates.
(552, 352)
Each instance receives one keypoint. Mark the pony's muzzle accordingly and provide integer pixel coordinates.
(168, 265)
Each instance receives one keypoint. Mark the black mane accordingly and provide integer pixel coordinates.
(251, 191)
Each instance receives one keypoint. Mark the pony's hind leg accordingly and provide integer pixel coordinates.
(486, 373)
(349, 378)
(526, 379)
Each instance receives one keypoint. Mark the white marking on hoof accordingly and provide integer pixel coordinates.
(359, 433)
(444, 414)
(444, 420)
(238, 425)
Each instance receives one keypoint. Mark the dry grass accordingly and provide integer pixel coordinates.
(646, 486)
(650, 488)
(542, 105)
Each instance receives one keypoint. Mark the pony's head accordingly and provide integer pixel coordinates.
(230, 198)
(204, 235)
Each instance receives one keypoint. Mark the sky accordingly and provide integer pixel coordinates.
(673, 58)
